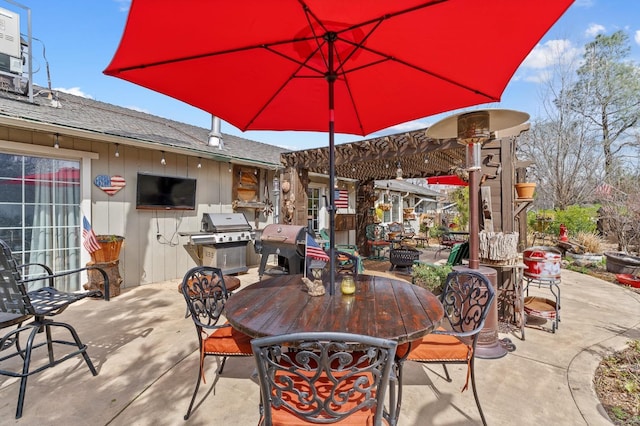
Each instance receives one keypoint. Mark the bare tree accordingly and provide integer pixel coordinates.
(564, 155)
(607, 96)
(619, 216)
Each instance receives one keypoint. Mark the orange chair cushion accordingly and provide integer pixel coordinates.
(282, 417)
(227, 341)
(436, 348)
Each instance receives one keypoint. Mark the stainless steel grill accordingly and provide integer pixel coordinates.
(222, 242)
(287, 242)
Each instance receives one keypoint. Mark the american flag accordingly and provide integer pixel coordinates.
(90, 241)
(342, 199)
(603, 190)
(109, 184)
(314, 251)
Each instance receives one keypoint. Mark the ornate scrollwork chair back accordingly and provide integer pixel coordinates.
(323, 377)
(205, 293)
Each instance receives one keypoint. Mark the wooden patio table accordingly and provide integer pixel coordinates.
(382, 307)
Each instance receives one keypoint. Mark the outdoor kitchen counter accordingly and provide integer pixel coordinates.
(381, 306)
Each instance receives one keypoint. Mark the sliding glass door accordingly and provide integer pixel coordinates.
(40, 215)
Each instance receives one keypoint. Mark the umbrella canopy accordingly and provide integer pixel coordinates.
(446, 180)
(329, 65)
(261, 65)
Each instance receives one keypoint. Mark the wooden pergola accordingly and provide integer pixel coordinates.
(419, 157)
(378, 158)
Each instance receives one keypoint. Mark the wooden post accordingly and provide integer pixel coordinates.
(95, 278)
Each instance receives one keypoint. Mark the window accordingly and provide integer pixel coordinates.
(313, 209)
(40, 211)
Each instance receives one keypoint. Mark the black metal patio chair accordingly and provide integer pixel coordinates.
(205, 292)
(323, 377)
(466, 298)
(17, 305)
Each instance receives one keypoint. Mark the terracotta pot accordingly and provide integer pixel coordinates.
(525, 189)
(109, 251)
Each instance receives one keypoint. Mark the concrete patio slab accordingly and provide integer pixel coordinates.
(145, 351)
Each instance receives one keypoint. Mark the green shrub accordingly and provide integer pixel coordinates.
(576, 218)
(431, 277)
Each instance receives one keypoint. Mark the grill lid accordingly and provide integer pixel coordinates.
(224, 222)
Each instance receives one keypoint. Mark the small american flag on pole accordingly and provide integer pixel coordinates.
(342, 199)
(90, 241)
(314, 251)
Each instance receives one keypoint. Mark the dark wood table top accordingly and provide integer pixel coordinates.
(382, 307)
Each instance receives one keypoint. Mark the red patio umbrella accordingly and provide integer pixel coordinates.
(65, 175)
(446, 180)
(329, 65)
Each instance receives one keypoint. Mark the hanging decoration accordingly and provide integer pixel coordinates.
(110, 184)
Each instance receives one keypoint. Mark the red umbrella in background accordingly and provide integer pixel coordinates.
(453, 180)
(329, 65)
(62, 176)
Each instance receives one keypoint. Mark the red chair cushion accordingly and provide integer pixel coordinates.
(436, 347)
(227, 341)
(283, 417)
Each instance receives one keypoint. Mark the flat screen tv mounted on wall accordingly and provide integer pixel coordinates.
(165, 192)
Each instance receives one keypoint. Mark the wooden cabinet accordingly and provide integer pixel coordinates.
(345, 222)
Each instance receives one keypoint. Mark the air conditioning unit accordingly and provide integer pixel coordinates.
(12, 54)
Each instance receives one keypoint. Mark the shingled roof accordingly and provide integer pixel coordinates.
(102, 121)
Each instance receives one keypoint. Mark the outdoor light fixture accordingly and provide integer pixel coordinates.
(230, 168)
(162, 160)
(117, 154)
(199, 163)
(473, 129)
(56, 144)
(399, 172)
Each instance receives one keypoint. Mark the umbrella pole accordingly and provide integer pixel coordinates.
(331, 78)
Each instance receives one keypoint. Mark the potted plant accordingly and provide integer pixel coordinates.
(429, 276)
(109, 251)
(586, 249)
(525, 190)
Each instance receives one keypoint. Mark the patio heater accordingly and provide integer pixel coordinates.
(474, 129)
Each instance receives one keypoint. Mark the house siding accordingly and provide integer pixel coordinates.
(146, 258)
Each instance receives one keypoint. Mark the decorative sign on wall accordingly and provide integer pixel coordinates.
(110, 184)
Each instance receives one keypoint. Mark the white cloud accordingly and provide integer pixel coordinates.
(73, 91)
(536, 67)
(636, 37)
(123, 5)
(584, 3)
(409, 126)
(135, 108)
(544, 55)
(594, 30)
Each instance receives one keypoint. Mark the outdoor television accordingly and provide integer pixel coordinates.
(165, 192)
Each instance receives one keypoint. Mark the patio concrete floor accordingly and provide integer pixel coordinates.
(145, 352)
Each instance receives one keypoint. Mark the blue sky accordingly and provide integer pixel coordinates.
(79, 38)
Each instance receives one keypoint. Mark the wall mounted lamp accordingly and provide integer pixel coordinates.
(162, 160)
(56, 144)
(199, 162)
(117, 154)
